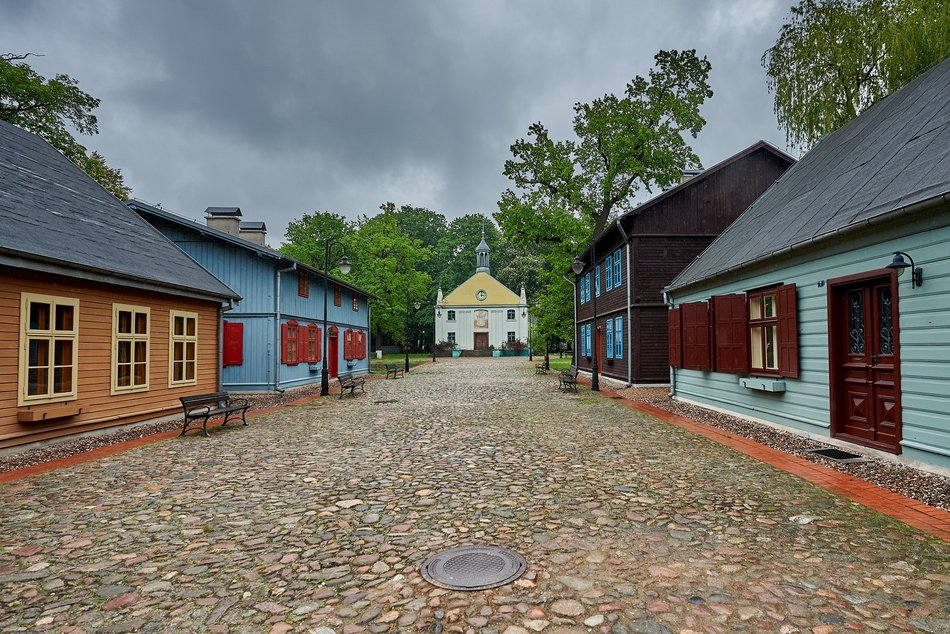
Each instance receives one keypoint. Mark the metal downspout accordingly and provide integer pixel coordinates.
(573, 301)
(672, 393)
(626, 241)
(277, 359)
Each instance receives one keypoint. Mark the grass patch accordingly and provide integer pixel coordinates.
(378, 366)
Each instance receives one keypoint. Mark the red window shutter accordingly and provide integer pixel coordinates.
(233, 343)
(348, 345)
(787, 330)
(319, 343)
(675, 336)
(696, 336)
(283, 343)
(731, 334)
(360, 344)
(301, 344)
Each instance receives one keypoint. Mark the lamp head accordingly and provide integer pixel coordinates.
(577, 266)
(345, 265)
(417, 304)
(898, 263)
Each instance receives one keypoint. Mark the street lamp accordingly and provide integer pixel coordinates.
(577, 266)
(344, 266)
(405, 329)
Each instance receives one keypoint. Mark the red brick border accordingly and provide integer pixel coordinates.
(917, 514)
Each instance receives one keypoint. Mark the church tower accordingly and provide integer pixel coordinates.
(481, 256)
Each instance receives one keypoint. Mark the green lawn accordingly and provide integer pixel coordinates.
(379, 365)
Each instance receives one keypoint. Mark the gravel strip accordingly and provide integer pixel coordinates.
(72, 446)
(929, 488)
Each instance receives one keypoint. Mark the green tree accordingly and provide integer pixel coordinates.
(305, 237)
(46, 107)
(835, 58)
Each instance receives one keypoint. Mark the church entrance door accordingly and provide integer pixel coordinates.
(481, 341)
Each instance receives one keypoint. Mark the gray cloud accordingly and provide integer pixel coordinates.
(286, 107)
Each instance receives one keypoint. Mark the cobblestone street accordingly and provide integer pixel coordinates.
(316, 519)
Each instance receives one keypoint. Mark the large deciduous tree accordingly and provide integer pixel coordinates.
(45, 107)
(835, 58)
(306, 237)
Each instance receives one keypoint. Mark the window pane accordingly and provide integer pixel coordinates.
(179, 328)
(124, 352)
(771, 356)
(39, 316)
(140, 373)
(190, 371)
(886, 346)
(124, 322)
(63, 352)
(758, 354)
(190, 325)
(62, 380)
(140, 352)
(178, 372)
(64, 318)
(769, 306)
(178, 351)
(123, 375)
(755, 307)
(141, 323)
(37, 381)
(190, 349)
(39, 352)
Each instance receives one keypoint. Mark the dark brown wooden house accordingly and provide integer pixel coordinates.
(640, 253)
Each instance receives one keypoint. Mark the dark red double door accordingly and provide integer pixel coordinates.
(865, 398)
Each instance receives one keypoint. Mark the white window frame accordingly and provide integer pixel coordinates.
(52, 335)
(185, 339)
(131, 338)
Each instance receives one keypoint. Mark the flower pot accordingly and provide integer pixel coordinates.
(496, 353)
(456, 353)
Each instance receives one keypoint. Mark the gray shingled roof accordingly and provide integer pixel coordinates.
(52, 212)
(895, 154)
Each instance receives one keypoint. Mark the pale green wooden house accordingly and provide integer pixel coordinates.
(806, 312)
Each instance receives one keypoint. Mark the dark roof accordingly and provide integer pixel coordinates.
(223, 211)
(253, 226)
(53, 213)
(147, 210)
(895, 154)
(700, 176)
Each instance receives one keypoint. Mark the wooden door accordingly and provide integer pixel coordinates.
(864, 363)
(333, 352)
(481, 341)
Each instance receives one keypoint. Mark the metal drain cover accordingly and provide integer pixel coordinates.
(837, 455)
(473, 568)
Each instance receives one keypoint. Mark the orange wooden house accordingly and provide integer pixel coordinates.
(103, 321)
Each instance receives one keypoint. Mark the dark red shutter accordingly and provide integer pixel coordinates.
(731, 334)
(301, 344)
(675, 336)
(283, 343)
(360, 344)
(348, 345)
(787, 330)
(696, 336)
(233, 343)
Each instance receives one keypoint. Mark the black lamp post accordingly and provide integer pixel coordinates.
(577, 266)
(405, 330)
(345, 267)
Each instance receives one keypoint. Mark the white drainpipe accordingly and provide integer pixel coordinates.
(669, 302)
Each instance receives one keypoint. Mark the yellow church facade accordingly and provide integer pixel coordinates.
(482, 311)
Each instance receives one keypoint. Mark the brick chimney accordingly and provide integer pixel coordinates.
(226, 219)
(254, 232)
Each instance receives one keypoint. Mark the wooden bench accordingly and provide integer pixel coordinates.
(540, 368)
(350, 382)
(568, 379)
(394, 371)
(204, 407)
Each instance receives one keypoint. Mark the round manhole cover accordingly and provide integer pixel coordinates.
(473, 568)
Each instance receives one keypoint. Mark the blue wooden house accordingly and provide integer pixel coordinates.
(825, 307)
(273, 339)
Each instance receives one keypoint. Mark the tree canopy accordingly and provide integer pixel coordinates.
(46, 106)
(835, 58)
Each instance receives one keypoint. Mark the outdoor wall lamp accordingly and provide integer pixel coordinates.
(899, 264)
(524, 314)
(577, 266)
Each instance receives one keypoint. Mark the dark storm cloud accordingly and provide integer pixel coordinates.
(286, 107)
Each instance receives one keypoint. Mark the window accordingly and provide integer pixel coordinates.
(773, 331)
(618, 337)
(312, 352)
(511, 336)
(183, 349)
(303, 284)
(290, 343)
(451, 337)
(450, 315)
(597, 281)
(356, 302)
(130, 325)
(583, 340)
(337, 295)
(609, 327)
(586, 340)
(609, 272)
(618, 269)
(233, 343)
(511, 314)
(49, 336)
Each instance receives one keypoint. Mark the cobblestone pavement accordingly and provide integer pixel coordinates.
(316, 519)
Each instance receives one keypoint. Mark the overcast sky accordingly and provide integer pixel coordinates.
(285, 107)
